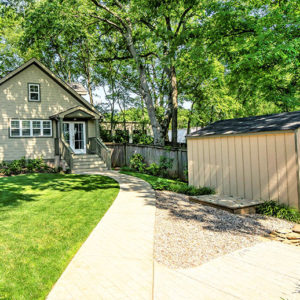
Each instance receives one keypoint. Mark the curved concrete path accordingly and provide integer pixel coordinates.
(116, 260)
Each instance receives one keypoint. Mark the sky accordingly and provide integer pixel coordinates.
(99, 97)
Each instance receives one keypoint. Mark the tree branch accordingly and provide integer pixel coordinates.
(118, 3)
(108, 22)
(124, 57)
(100, 5)
(150, 26)
(182, 19)
(168, 23)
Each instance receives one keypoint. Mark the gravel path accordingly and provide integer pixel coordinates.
(188, 234)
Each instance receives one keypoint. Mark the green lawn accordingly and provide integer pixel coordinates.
(44, 219)
(176, 186)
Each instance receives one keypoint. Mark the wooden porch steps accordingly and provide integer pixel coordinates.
(88, 163)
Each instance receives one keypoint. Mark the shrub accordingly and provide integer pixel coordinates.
(164, 165)
(153, 169)
(274, 209)
(186, 189)
(121, 136)
(137, 163)
(142, 138)
(105, 135)
(23, 165)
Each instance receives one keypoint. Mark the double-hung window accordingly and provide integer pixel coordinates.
(46, 128)
(34, 92)
(36, 128)
(30, 128)
(25, 125)
(15, 129)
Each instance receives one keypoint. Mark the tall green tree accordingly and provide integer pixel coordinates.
(228, 58)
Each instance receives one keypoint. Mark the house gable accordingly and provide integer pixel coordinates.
(54, 97)
(61, 83)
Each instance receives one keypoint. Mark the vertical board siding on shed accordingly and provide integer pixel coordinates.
(232, 167)
(239, 163)
(225, 166)
(297, 140)
(263, 166)
(206, 163)
(281, 168)
(219, 169)
(272, 168)
(212, 160)
(200, 164)
(195, 174)
(191, 159)
(291, 166)
(254, 166)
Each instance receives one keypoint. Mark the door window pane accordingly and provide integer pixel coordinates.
(78, 132)
(66, 131)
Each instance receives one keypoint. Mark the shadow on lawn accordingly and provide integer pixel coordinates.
(210, 218)
(25, 188)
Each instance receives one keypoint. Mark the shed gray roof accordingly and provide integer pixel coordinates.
(275, 122)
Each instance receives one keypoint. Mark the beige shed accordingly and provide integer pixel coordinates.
(254, 158)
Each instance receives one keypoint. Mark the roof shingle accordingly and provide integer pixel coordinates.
(275, 122)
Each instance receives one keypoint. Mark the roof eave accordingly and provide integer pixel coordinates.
(241, 134)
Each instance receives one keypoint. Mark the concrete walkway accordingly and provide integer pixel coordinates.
(269, 270)
(116, 261)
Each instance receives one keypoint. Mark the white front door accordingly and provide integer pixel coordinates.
(74, 133)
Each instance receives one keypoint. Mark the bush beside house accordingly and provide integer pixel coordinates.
(23, 165)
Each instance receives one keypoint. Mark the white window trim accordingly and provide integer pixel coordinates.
(29, 92)
(31, 129)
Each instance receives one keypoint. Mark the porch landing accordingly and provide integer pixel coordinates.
(236, 205)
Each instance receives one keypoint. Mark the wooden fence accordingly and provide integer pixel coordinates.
(121, 154)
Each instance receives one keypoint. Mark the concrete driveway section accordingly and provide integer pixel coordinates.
(269, 270)
(116, 261)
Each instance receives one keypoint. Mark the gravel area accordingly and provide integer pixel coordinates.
(189, 234)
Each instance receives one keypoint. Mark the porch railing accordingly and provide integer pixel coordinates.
(95, 145)
(67, 153)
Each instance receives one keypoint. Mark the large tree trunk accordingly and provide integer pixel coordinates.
(145, 91)
(172, 111)
(90, 89)
(174, 95)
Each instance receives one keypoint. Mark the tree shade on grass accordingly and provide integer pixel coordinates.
(44, 219)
